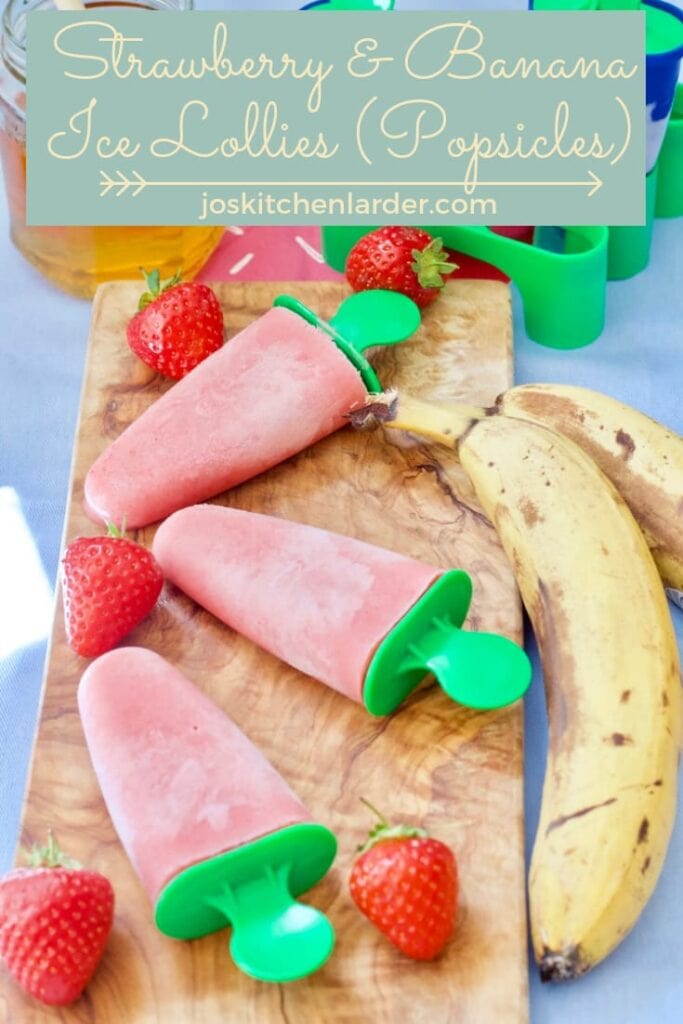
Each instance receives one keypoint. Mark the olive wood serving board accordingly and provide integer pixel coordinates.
(455, 771)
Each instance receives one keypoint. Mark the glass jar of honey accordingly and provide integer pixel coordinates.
(77, 259)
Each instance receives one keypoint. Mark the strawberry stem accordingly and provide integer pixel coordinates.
(114, 531)
(380, 817)
(383, 830)
(49, 856)
(155, 286)
(51, 845)
(431, 264)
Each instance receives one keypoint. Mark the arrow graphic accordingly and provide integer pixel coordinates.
(593, 184)
(134, 184)
(121, 183)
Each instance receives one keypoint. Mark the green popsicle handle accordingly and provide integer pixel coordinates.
(480, 670)
(284, 940)
(376, 317)
(363, 320)
(253, 889)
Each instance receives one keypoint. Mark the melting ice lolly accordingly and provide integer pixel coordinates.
(369, 622)
(278, 386)
(215, 834)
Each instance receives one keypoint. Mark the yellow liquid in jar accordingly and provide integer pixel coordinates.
(78, 259)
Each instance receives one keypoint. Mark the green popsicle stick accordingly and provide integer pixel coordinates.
(253, 888)
(479, 670)
(363, 320)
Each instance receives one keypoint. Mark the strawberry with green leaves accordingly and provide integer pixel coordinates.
(406, 883)
(406, 260)
(178, 324)
(55, 919)
(109, 585)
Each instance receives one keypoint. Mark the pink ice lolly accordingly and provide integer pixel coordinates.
(321, 601)
(275, 388)
(181, 781)
(216, 835)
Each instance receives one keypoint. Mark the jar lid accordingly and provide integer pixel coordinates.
(13, 39)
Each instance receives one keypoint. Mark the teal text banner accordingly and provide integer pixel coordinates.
(141, 117)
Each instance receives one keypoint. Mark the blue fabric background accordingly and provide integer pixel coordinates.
(639, 359)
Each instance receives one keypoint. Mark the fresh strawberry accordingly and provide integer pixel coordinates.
(109, 585)
(407, 885)
(406, 260)
(177, 325)
(55, 918)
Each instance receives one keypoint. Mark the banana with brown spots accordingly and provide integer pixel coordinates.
(642, 458)
(610, 665)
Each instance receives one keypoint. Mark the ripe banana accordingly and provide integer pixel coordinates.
(642, 458)
(610, 664)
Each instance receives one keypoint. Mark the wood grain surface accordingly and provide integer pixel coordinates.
(455, 771)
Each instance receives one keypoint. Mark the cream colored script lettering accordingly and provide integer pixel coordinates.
(462, 60)
(425, 119)
(165, 147)
(368, 65)
(102, 64)
(80, 131)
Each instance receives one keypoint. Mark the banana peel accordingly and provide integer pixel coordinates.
(641, 457)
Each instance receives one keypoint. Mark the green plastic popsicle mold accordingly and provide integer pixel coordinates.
(617, 5)
(549, 282)
(364, 320)
(629, 247)
(254, 889)
(670, 173)
(563, 290)
(479, 670)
